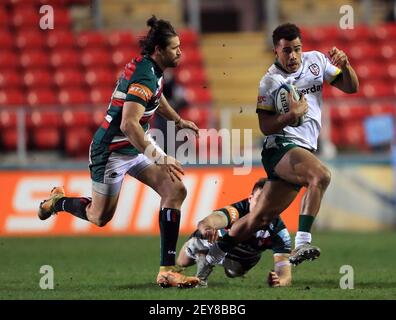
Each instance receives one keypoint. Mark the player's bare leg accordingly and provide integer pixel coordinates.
(99, 209)
(301, 167)
(172, 194)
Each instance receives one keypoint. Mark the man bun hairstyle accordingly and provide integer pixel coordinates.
(287, 31)
(159, 34)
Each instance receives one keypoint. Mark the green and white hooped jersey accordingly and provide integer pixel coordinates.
(141, 82)
(309, 78)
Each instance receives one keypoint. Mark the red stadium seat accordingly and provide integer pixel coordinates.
(375, 89)
(41, 97)
(8, 118)
(199, 115)
(74, 97)
(100, 77)
(69, 78)
(188, 38)
(30, 40)
(102, 95)
(10, 79)
(34, 59)
(362, 51)
(391, 70)
(65, 58)
(38, 79)
(346, 112)
(77, 141)
(6, 40)
(198, 95)
(8, 59)
(388, 51)
(91, 40)
(377, 108)
(57, 39)
(26, 19)
(96, 58)
(354, 134)
(356, 34)
(191, 75)
(45, 138)
(77, 118)
(12, 97)
(62, 18)
(386, 32)
(191, 56)
(122, 56)
(370, 71)
(121, 39)
(40, 118)
(3, 20)
(9, 139)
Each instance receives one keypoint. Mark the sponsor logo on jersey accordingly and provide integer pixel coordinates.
(314, 68)
(140, 91)
(261, 99)
(315, 88)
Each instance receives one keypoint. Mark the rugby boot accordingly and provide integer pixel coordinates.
(304, 252)
(47, 207)
(171, 276)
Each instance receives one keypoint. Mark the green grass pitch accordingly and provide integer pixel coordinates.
(126, 268)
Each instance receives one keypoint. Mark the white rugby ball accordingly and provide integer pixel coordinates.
(282, 104)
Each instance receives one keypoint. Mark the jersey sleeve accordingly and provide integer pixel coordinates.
(141, 88)
(330, 71)
(235, 211)
(265, 100)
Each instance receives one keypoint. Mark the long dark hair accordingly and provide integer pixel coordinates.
(159, 34)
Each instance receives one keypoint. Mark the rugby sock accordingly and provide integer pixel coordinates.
(302, 238)
(75, 206)
(305, 222)
(169, 222)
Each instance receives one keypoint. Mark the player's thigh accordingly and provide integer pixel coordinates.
(299, 166)
(159, 179)
(275, 197)
(102, 206)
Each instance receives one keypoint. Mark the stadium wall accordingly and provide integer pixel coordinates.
(137, 213)
(360, 197)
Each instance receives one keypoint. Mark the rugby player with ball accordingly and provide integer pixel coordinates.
(291, 125)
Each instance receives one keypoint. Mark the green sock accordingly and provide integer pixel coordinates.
(305, 222)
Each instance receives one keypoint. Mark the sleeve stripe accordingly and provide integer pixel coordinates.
(265, 108)
(140, 91)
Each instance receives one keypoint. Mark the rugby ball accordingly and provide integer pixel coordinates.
(282, 105)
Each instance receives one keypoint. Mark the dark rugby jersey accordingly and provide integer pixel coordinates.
(141, 82)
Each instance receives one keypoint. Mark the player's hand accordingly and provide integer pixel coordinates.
(273, 279)
(338, 58)
(186, 124)
(172, 166)
(208, 232)
(298, 107)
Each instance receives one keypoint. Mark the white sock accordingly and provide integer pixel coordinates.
(302, 238)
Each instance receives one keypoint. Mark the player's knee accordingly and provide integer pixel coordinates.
(178, 192)
(323, 178)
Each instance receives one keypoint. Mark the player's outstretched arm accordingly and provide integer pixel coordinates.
(348, 81)
(281, 276)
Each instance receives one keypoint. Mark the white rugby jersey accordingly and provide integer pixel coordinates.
(309, 78)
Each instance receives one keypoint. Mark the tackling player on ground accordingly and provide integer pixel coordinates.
(240, 259)
(288, 152)
(123, 146)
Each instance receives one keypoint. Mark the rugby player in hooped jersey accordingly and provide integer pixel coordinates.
(288, 152)
(245, 255)
(122, 145)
